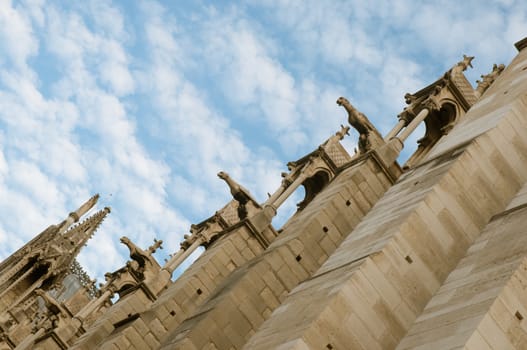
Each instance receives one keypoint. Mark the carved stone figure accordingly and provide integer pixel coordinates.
(238, 193)
(360, 122)
(488, 79)
(138, 255)
(49, 316)
(51, 304)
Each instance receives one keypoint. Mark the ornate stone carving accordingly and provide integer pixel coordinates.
(238, 193)
(462, 65)
(287, 179)
(157, 245)
(344, 130)
(49, 315)
(488, 79)
(188, 240)
(431, 97)
(361, 123)
(432, 103)
(84, 279)
(137, 254)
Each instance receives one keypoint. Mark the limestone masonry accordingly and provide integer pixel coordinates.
(428, 255)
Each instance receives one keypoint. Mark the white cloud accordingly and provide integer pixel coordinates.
(34, 10)
(108, 19)
(16, 35)
(516, 24)
(4, 168)
(32, 181)
(49, 164)
(114, 70)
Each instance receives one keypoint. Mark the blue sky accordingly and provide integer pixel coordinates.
(145, 101)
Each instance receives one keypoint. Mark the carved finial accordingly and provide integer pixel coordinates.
(463, 64)
(344, 130)
(467, 61)
(83, 209)
(157, 245)
(188, 240)
(409, 98)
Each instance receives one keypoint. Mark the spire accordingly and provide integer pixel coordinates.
(61, 253)
(80, 234)
(77, 214)
(64, 248)
(45, 263)
(83, 209)
(47, 235)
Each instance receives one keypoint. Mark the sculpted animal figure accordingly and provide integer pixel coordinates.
(51, 304)
(238, 193)
(138, 255)
(360, 122)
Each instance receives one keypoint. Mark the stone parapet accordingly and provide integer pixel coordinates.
(374, 286)
(249, 296)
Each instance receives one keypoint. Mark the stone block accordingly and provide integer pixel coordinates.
(287, 277)
(140, 326)
(493, 335)
(477, 342)
(151, 341)
(253, 315)
(274, 284)
(135, 338)
(157, 328)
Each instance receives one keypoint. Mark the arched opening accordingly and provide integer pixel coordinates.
(313, 186)
(126, 289)
(25, 283)
(188, 262)
(437, 124)
(411, 144)
(301, 197)
(288, 209)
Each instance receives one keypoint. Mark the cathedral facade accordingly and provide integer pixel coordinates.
(430, 254)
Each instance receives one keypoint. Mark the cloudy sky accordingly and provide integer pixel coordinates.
(144, 102)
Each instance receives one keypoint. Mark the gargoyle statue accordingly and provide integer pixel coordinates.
(138, 255)
(361, 123)
(49, 316)
(238, 193)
